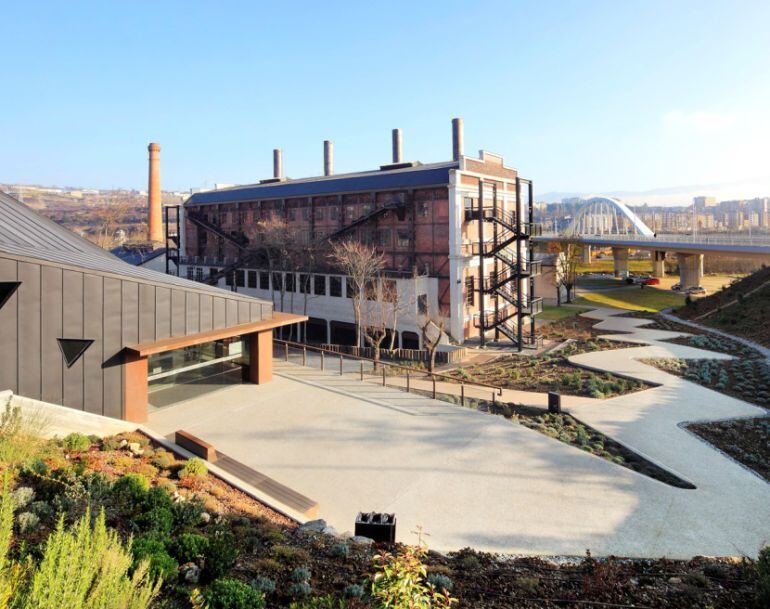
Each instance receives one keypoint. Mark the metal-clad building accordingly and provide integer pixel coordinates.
(78, 325)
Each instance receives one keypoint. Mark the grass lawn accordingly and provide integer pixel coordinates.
(554, 313)
(633, 299)
(606, 266)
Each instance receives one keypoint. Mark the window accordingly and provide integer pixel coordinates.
(350, 290)
(470, 291)
(389, 290)
(306, 213)
(319, 285)
(367, 208)
(264, 280)
(277, 282)
(403, 238)
(290, 282)
(422, 209)
(304, 283)
(240, 278)
(332, 213)
(383, 237)
(422, 304)
(190, 271)
(198, 273)
(290, 215)
(367, 236)
(319, 213)
(252, 279)
(335, 286)
(230, 279)
(350, 212)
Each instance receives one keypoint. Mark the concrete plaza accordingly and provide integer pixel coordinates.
(472, 479)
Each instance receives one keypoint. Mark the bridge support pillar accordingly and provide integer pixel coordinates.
(586, 254)
(659, 264)
(620, 261)
(690, 270)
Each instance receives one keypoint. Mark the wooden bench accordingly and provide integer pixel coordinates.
(272, 488)
(195, 445)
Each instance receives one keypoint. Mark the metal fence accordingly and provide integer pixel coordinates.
(452, 356)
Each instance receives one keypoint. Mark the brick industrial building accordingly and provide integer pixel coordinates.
(449, 254)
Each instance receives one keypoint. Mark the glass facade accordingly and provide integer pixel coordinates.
(189, 372)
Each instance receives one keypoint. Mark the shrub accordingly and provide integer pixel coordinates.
(194, 467)
(157, 520)
(153, 550)
(188, 512)
(300, 574)
(354, 591)
(220, 555)
(42, 509)
(262, 584)
(22, 496)
(227, 593)
(763, 577)
(76, 442)
(440, 581)
(189, 546)
(131, 487)
(400, 581)
(111, 443)
(290, 556)
(27, 521)
(158, 498)
(340, 550)
(300, 589)
(163, 459)
(320, 602)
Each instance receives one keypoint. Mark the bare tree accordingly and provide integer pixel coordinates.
(108, 218)
(363, 266)
(432, 329)
(569, 253)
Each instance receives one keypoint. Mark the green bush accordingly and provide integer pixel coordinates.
(227, 593)
(27, 521)
(111, 443)
(158, 497)
(157, 520)
(154, 551)
(163, 459)
(300, 574)
(193, 467)
(189, 546)
(290, 556)
(440, 581)
(320, 602)
(262, 584)
(763, 577)
(22, 497)
(220, 555)
(187, 513)
(354, 591)
(300, 589)
(132, 488)
(340, 550)
(76, 442)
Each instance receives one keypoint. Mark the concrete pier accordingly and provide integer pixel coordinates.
(690, 270)
(620, 260)
(658, 264)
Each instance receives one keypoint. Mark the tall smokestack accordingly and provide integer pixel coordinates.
(397, 146)
(457, 138)
(277, 163)
(328, 157)
(155, 219)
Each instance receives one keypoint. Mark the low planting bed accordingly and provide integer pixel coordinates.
(174, 537)
(745, 440)
(747, 380)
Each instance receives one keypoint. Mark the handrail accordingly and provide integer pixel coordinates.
(295, 345)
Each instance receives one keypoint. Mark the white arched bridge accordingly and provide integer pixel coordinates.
(603, 221)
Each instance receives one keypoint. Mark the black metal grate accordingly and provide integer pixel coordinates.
(7, 289)
(73, 348)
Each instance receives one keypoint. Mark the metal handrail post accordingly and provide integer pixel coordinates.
(286, 351)
(304, 356)
(362, 370)
(323, 362)
(462, 394)
(407, 380)
(383, 376)
(340, 365)
(433, 378)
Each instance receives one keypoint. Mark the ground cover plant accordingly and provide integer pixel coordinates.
(745, 379)
(633, 299)
(211, 546)
(745, 440)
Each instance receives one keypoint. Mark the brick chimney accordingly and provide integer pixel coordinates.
(398, 154)
(155, 219)
(457, 138)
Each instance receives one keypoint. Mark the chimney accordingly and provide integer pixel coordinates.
(328, 157)
(457, 138)
(397, 147)
(155, 219)
(277, 163)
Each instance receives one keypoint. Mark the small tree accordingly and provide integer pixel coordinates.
(569, 253)
(363, 266)
(432, 329)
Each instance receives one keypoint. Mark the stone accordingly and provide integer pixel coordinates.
(313, 526)
(674, 580)
(191, 572)
(330, 531)
(123, 443)
(135, 448)
(205, 517)
(364, 541)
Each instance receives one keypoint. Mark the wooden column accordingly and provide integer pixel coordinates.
(135, 388)
(261, 354)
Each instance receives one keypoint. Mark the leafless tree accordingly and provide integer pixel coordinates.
(569, 253)
(363, 266)
(432, 329)
(108, 219)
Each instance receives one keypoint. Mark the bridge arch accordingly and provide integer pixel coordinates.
(600, 215)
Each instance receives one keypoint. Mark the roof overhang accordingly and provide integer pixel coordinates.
(167, 344)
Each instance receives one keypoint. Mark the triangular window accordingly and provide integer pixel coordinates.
(73, 348)
(7, 288)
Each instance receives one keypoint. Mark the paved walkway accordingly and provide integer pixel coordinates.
(473, 479)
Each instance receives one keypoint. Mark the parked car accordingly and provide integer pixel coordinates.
(696, 291)
(651, 281)
(676, 287)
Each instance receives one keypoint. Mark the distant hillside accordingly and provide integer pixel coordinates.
(743, 309)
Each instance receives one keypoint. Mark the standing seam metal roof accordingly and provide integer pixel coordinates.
(421, 175)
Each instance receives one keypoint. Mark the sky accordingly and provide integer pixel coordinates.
(579, 95)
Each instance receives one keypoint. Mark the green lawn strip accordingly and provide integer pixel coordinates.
(633, 299)
(554, 313)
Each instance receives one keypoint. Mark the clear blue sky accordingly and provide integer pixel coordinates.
(578, 95)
